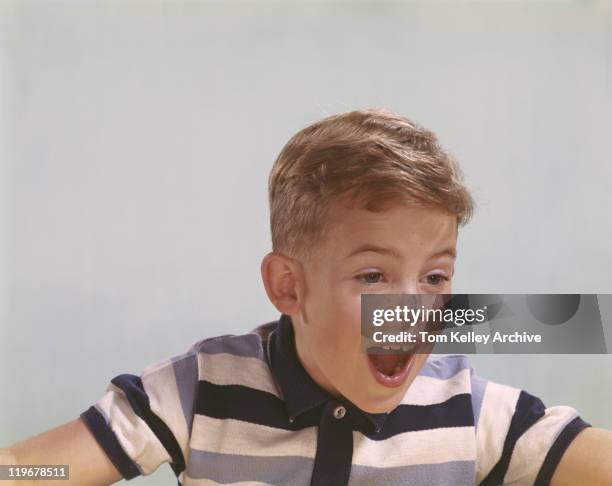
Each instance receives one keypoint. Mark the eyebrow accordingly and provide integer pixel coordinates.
(374, 248)
(450, 251)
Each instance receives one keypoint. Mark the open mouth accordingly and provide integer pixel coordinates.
(390, 369)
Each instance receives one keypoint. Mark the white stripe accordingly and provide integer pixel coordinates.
(427, 390)
(161, 388)
(531, 448)
(432, 446)
(498, 405)
(229, 369)
(136, 438)
(229, 436)
(209, 482)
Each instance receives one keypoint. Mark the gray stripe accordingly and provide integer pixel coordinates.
(295, 470)
(231, 468)
(186, 375)
(247, 345)
(456, 473)
(479, 385)
(444, 366)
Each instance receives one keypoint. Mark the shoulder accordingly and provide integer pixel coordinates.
(249, 345)
(455, 370)
(221, 360)
(445, 366)
(518, 437)
(239, 360)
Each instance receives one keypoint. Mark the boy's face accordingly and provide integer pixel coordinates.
(405, 249)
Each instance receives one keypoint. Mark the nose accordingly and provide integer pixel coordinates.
(408, 287)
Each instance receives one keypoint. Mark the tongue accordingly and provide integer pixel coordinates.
(385, 362)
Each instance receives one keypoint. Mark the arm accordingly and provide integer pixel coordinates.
(587, 460)
(139, 421)
(70, 443)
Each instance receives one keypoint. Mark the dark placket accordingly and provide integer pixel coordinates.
(332, 464)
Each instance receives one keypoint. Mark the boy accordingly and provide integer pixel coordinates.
(361, 202)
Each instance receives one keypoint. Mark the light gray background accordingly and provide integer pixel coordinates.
(137, 137)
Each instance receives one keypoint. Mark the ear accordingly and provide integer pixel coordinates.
(282, 279)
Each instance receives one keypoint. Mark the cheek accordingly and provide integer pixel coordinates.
(335, 308)
(339, 325)
(345, 306)
(347, 340)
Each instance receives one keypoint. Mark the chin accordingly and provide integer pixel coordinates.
(381, 404)
(380, 408)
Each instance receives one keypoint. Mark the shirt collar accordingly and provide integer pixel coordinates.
(299, 391)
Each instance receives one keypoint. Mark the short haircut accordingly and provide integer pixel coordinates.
(370, 159)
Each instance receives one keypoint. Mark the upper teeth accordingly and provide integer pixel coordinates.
(405, 348)
(399, 347)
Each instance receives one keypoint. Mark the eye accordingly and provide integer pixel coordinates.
(436, 279)
(370, 277)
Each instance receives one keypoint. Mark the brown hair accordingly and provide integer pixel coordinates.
(370, 157)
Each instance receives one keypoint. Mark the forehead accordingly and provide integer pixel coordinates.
(404, 227)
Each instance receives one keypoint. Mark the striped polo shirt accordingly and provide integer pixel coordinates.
(242, 410)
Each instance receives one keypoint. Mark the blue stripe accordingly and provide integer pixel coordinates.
(454, 412)
(259, 407)
(107, 439)
(249, 405)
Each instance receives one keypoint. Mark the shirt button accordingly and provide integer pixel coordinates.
(339, 412)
